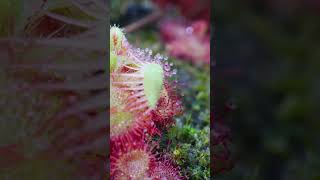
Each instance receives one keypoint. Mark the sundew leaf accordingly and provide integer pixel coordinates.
(153, 82)
(94, 83)
(72, 21)
(85, 66)
(89, 104)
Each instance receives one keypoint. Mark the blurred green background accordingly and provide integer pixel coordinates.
(268, 66)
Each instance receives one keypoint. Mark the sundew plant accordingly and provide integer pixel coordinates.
(179, 128)
(141, 100)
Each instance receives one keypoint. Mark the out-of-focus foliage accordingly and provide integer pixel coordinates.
(124, 12)
(30, 114)
(193, 9)
(188, 41)
(272, 75)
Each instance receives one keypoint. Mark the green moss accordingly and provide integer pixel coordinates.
(190, 148)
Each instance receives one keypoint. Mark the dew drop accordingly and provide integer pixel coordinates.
(174, 72)
(189, 30)
(166, 67)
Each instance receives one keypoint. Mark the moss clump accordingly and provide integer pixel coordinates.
(191, 150)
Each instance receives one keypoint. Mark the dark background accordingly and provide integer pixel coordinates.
(267, 68)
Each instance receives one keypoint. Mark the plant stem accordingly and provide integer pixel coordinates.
(144, 21)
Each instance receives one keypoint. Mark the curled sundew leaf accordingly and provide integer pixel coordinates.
(153, 82)
(142, 76)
